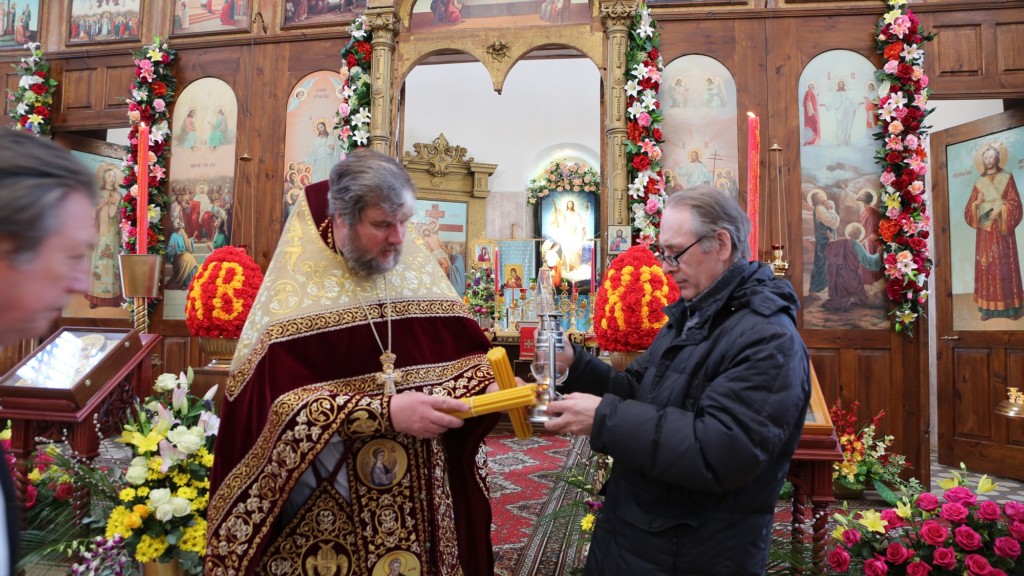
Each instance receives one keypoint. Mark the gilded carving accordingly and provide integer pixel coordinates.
(498, 50)
(440, 154)
(618, 13)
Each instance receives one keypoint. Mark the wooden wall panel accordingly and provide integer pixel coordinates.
(118, 87)
(958, 51)
(175, 355)
(971, 368)
(79, 90)
(1010, 48)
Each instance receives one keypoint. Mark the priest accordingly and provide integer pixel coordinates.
(337, 451)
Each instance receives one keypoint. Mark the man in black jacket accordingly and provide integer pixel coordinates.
(702, 426)
(47, 203)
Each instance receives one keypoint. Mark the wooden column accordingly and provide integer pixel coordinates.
(383, 23)
(616, 16)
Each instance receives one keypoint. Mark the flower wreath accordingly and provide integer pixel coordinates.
(221, 294)
(152, 95)
(563, 175)
(904, 161)
(628, 308)
(643, 130)
(34, 95)
(353, 118)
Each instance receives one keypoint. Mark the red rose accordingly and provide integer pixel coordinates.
(23, 120)
(851, 536)
(1007, 547)
(977, 565)
(39, 88)
(165, 58)
(894, 290)
(966, 537)
(897, 553)
(365, 49)
(30, 496)
(875, 567)
(918, 568)
(933, 532)
(892, 519)
(635, 132)
(648, 84)
(159, 88)
(64, 491)
(904, 72)
(641, 162)
(656, 133)
(893, 157)
(839, 559)
(653, 54)
(350, 61)
(944, 558)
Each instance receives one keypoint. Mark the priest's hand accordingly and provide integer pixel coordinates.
(424, 416)
(575, 414)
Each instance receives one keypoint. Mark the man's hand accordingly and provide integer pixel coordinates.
(575, 414)
(424, 416)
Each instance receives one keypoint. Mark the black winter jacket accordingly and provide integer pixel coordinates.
(701, 429)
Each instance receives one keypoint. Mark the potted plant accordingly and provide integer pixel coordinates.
(866, 458)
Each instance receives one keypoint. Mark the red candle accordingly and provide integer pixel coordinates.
(593, 268)
(753, 178)
(497, 267)
(142, 200)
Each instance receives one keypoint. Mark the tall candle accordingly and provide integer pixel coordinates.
(497, 277)
(753, 178)
(142, 200)
(593, 268)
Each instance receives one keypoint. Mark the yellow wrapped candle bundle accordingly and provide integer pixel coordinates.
(509, 398)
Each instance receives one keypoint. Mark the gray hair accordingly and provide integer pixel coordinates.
(36, 176)
(367, 179)
(712, 210)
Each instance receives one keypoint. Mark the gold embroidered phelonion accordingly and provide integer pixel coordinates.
(506, 379)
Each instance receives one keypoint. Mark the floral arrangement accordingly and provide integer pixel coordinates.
(353, 118)
(957, 535)
(643, 128)
(479, 295)
(628, 308)
(161, 515)
(152, 95)
(34, 95)
(903, 157)
(866, 458)
(563, 175)
(221, 294)
(47, 481)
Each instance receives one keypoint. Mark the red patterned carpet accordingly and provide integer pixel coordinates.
(522, 490)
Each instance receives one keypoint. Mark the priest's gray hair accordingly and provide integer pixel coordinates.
(368, 179)
(712, 210)
(36, 176)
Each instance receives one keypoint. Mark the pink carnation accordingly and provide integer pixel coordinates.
(644, 119)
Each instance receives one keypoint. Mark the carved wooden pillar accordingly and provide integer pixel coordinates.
(383, 23)
(616, 15)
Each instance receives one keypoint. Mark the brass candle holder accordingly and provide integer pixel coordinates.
(780, 266)
(1013, 406)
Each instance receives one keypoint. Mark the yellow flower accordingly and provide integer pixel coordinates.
(200, 503)
(126, 494)
(35, 118)
(150, 549)
(154, 54)
(155, 463)
(872, 520)
(187, 492)
(148, 443)
(194, 538)
(115, 523)
(142, 510)
(34, 475)
(891, 16)
(986, 485)
(180, 478)
(587, 522)
(142, 491)
(903, 510)
(5, 434)
(132, 520)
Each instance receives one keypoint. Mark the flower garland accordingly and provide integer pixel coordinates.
(353, 118)
(563, 175)
(628, 308)
(152, 95)
(644, 137)
(221, 294)
(904, 160)
(34, 94)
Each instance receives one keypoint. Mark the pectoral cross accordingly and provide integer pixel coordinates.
(388, 375)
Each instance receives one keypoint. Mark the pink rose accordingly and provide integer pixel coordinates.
(851, 537)
(967, 538)
(30, 496)
(944, 558)
(923, 81)
(897, 554)
(918, 568)
(933, 532)
(344, 110)
(996, 572)
(895, 127)
(888, 178)
(839, 559)
(875, 567)
(953, 512)
(989, 510)
(961, 495)
(1017, 531)
(1014, 510)
(892, 518)
(977, 565)
(644, 119)
(159, 105)
(891, 66)
(652, 205)
(1007, 547)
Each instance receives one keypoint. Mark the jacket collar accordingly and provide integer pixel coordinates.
(696, 312)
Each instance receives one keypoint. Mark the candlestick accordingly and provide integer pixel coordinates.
(142, 197)
(753, 178)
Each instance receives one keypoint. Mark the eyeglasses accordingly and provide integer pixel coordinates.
(673, 259)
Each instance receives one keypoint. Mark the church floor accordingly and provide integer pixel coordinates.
(1005, 490)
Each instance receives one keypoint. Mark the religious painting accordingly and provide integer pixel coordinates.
(296, 13)
(986, 242)
(382, 463)
(397, 564)
(698, 101)
(103, 299)
(618, 239)
(311, 144)
(96, 21)
(512, 276)
(481, 254)
(843, 281)
(201, 184)
(210, 16)
(566, 221)
(442, 226)
(19, 23)
(459, 14)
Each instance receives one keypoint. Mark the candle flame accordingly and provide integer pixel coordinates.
(751, 115)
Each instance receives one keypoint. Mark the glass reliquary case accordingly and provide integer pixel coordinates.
(72, 365)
